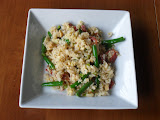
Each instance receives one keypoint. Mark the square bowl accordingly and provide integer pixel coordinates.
(122, 96)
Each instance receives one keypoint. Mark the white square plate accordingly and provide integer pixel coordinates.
(32, 95)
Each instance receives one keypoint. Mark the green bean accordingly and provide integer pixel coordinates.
(97, 82)
(107, 46)
(59, 27)
(94, 49)
(51, 65)
(113, 40)
(83, 88)
(43, 47)
(55, 83)
(43, 54)
(67, 41)
(49, 33)
(75, 84)
(85, 76)
(93, 90)
(78, 83)
(81, 75)
(80, 31)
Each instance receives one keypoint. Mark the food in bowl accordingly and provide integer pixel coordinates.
(79, 60)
